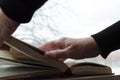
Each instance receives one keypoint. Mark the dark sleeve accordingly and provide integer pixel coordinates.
(20, 10)
(109, 39)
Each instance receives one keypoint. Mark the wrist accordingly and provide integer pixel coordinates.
(92, 48)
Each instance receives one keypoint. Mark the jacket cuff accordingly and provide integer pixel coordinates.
(20, 11)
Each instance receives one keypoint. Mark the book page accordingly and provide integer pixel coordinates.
(8, 59)
(88, 68)
(13, 72)
(33, 53)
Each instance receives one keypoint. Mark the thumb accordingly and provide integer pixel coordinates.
(56, 54)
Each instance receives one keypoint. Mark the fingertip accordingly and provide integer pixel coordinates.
(62, 59)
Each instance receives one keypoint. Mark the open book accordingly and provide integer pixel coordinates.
(26, 61)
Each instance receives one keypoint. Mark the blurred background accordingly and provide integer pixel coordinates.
(75, 19)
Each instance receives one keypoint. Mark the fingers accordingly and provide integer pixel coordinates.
(48, 46)
(56, 54)
(62, 59)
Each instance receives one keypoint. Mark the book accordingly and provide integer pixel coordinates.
(26, 61)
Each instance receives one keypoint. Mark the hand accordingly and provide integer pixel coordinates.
(7, 27)
(71, 48)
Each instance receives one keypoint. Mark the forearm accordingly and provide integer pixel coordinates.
(20, 10)
(91, 48)
(108, 40)
(7, 27)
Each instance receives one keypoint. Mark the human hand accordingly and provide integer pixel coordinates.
(7, 27)
(71, 48)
